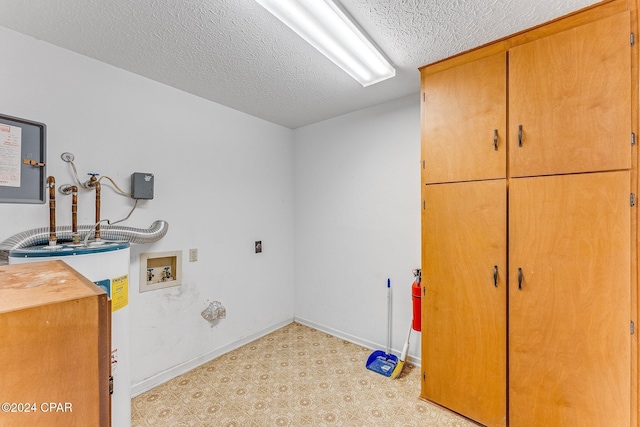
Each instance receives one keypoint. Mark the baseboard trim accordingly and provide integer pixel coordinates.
(182, 368)
(185, 367)
(353, 339)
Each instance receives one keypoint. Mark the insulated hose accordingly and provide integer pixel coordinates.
(40, 236)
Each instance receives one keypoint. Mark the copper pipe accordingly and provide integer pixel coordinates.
(74, 209)
(74, 215)
(51, 183)
(95, 183)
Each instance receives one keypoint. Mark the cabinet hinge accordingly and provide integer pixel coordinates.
(424, 376)
(423, 97)
(632, 39)
(633, 139)
(424, 291)
(633, 200)
(632, 328)
(423, 164)
(424, 205)
(110, 384)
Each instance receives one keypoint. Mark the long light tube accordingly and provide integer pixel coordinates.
(324, 25)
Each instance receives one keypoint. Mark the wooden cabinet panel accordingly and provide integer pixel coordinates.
(464, 312)
(571, 94)
(55, 347)
(572, 274)
(569, 337)
(463, 108)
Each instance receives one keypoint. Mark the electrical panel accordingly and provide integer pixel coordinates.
(141, 185)
(23, 173)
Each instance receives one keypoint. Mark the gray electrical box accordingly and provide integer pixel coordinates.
(141, 185)
(23, 154)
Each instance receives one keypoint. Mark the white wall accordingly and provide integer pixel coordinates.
(223, 179)
(357, 210)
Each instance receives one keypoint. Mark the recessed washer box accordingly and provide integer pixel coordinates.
(160, 270)
(141, 185)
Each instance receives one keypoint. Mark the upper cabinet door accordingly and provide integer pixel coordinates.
(464, 121)
(570, 100)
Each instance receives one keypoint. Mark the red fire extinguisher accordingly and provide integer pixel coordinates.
(416, 297)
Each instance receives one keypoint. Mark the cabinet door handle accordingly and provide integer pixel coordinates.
(520, 136)
(495, 139)
(495, 276)
(520, 279)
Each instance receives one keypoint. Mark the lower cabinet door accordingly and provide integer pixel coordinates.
(464, 304)
(569, 300)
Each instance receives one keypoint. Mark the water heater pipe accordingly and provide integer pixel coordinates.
(51, 183)
(93, 182)
(75, 236)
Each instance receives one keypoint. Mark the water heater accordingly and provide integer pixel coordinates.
(107, 265)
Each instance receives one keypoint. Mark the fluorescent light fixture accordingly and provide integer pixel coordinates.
(324, 25)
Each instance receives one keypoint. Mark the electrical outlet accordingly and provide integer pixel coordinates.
(193, 255)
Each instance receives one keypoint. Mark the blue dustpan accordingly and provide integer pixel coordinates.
(383, 362)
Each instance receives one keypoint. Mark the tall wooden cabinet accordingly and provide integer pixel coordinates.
(55, 347)
(465, 236)
(569, 300)
(528, 225)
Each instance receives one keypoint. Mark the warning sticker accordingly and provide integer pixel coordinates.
(119, 292)
(114, 362)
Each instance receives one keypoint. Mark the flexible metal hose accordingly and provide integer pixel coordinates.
(40, 236)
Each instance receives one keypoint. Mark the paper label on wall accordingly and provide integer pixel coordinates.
(10, 152)
(119, 292)
(114, 362)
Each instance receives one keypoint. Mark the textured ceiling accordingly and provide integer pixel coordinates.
(235, 53)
